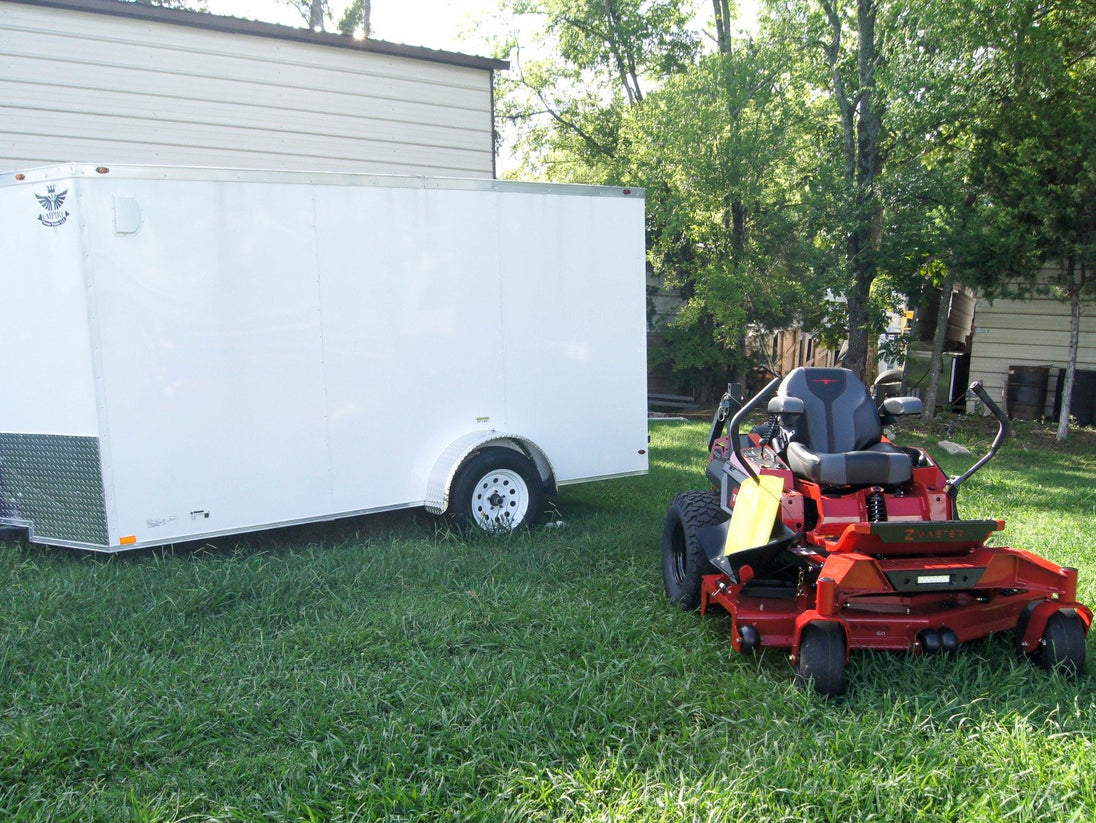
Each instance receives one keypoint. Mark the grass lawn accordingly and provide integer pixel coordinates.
(384, 669)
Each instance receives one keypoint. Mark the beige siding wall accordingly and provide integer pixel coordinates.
(96, 88)
(1026, 333)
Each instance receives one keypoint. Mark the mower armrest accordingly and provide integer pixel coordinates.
(902, 406)
(786, 405)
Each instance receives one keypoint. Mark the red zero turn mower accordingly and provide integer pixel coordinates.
(824, 537)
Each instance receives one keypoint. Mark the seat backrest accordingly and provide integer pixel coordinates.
(839, 414)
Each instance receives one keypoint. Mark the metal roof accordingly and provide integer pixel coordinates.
(255, 28)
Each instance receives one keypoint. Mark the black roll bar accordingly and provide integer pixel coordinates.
(755, 401)
(952, 486)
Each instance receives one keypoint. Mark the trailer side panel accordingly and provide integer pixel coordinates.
(572, 310)
(49, 448)
(240, 349)
(212, 360)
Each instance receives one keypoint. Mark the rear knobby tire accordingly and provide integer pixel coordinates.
(684, 562)
(497, 490)
(822, 659)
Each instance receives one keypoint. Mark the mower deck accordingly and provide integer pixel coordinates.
(877, 615)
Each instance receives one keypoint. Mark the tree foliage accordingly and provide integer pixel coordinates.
(593, 60)
(1035, 149)
(1037, 160)
(192, 5)
(864, 149)
(354, 21)
(357, 19)
(714, 146)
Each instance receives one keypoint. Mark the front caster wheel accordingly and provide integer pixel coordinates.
(1063, 645)
(822, 659)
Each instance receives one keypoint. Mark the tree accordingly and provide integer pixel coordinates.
(569, 109)
(566, 106)
(837, 51)
(624, 99)
(720, 148)
(858, 148)
(312, 11)
(357, 19)
(932, 119)
(861, 140)
(192, 5)
(892, 166)
(843, 52)
(1036, 153)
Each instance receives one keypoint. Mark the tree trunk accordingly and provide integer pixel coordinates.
(868, 218)
(722, 25)
(1074, 288)
(315, 15)
(738, 227)
(856, 355)
(938, 335)
(628, 79)
(861, 127)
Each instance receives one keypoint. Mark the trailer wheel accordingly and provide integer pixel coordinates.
(684, 562)
(497, 490)
(1063, 645)
(822, 659)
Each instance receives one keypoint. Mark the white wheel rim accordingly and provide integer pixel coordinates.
(500, 501)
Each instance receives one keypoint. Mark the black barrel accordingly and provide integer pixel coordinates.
(1082, 400)
(1026, 396)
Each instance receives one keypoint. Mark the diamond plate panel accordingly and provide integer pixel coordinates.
(54, 482)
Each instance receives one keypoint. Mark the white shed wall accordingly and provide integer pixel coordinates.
(1032, 332)
(100, 88)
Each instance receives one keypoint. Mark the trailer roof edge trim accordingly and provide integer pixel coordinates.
(64, 171)
(255, 28)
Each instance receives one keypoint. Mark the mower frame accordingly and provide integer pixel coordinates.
(883, 568)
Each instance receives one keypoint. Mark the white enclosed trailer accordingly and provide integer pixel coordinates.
(198, 352)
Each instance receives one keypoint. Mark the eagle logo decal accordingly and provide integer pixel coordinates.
(52, 203)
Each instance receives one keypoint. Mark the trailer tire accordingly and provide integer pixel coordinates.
(497, 490)
(684, 562)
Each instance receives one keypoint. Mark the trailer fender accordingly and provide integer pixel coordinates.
(449, 462)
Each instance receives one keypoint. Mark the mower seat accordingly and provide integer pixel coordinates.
(837, 439)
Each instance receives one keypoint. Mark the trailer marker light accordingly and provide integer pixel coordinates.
(128, 540)
(102, 169)
(20, 176)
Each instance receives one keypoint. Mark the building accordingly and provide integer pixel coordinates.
(102, 81)
(1032, 334)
